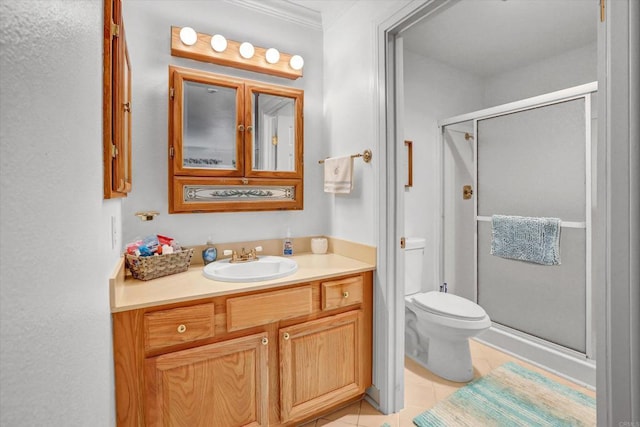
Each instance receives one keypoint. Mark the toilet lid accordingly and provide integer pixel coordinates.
(449, 305)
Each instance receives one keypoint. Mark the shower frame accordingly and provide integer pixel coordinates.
(584, 91)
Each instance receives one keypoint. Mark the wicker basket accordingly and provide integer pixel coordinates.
(151, 267)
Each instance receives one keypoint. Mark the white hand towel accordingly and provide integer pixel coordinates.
(338, 175)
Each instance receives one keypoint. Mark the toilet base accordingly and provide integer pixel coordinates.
(438, 359)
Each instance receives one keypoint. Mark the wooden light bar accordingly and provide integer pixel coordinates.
(230, 57)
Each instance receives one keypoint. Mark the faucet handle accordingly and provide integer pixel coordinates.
(227, 252)
(258, 248)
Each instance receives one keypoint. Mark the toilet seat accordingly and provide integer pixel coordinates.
(449, 305)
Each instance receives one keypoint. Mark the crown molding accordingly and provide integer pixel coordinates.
(284, 10)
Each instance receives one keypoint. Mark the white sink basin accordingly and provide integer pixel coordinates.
(265, 268)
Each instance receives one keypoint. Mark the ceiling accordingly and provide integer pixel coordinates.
(329, 9)
(487, 37)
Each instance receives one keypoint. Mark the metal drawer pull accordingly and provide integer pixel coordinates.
(182, 329)
(265, 340)
(345, 294)
(286, 336)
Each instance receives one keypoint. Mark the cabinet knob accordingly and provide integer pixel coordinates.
(241, 128)
(265, 340)
(286, 336)
(345, 294)
(182, 329)
(250, 128)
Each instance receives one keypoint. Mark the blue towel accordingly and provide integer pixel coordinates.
(526, 239)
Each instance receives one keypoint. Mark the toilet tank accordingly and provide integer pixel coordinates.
(413, 264)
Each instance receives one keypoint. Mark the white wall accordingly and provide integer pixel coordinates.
(572, 68)
(351, 113)
(56, 365)
(433, 91)
(436, 91)
(148, 26)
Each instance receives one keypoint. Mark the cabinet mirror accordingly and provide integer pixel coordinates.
(234, 144)
(273, 139)
(209, 135)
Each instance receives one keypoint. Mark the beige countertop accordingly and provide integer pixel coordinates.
(127, 293)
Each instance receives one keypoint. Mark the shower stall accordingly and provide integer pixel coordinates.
(530, 158)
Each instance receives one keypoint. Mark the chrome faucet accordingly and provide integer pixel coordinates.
(243, 256)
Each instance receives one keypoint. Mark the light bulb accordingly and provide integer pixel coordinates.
(246, 50)
(218, 43)
(272, 55)
(296, 62)
(188, 36)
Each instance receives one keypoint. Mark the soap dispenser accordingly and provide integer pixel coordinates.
(209, 253)
(287, 246)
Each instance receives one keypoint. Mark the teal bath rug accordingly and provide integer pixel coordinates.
(512, 396)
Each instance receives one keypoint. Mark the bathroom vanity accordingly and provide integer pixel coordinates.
(188, 349)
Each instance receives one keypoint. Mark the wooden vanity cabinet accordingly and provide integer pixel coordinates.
(217, 362)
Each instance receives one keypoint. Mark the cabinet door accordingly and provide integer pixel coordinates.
(222, 384)
(116, 121)
(274, 145)
(122, 125)
(320, 364)
(206, 126)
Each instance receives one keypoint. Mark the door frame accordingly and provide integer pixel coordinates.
(389, 326)
(616, 292)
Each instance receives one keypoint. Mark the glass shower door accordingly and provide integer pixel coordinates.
(535, 163)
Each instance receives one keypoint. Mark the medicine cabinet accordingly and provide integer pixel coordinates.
(234, 144)
(116, 104)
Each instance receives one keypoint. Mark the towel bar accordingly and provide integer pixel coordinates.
(566, 224)
(366, 156)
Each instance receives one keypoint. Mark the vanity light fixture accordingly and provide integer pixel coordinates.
(219, 50)
(188, 36)
(247, 50)
(218, 43)
(296, 62)
(272, 55)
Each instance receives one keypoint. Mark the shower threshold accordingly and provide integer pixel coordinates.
(564, 362)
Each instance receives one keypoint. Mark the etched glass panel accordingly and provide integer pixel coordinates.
(216, 193)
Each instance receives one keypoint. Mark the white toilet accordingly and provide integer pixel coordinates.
(438, 324)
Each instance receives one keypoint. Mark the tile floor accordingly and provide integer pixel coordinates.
(422, 390)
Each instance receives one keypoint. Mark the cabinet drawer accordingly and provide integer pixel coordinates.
(178, 325)
(260, 309)
(342, 292)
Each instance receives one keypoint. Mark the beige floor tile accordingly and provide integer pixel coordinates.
(330, 423)
(406, 416)
(481, 367)
(443, 391)
(371, 417)
(347, 415)
(419, 394)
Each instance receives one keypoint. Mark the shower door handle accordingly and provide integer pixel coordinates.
(467, 192)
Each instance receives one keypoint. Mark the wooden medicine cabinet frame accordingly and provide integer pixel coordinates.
(116, 104)
(240, 186)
